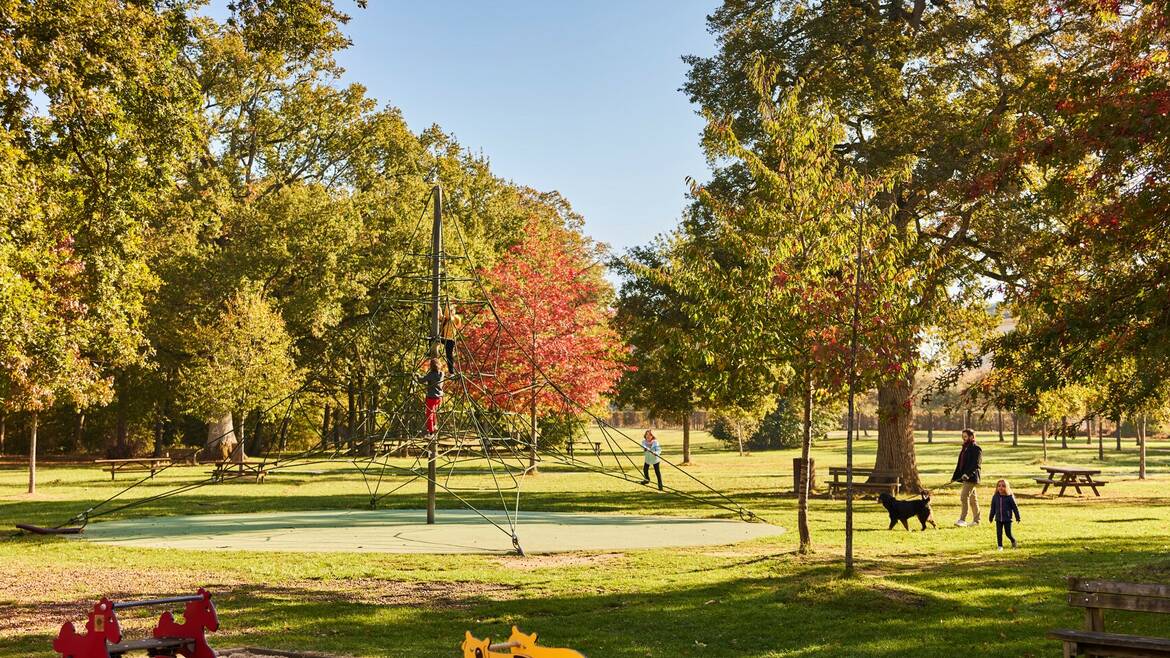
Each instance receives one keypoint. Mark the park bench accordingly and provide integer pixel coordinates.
(1095, 596)
(133, 464)
(232, 469)
(888, 481)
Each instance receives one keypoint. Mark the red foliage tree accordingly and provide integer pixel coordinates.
(549, 341)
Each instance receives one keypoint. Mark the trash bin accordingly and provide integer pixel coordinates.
(798, 468)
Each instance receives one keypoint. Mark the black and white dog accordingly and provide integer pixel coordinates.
(901, 510)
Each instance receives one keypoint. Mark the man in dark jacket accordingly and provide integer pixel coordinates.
(967, 472)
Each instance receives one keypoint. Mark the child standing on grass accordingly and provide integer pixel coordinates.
(653, 452)
(1003, 507)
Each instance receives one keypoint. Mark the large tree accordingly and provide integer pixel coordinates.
(933, 89)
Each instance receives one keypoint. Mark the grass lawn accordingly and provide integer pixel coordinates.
(916, 594)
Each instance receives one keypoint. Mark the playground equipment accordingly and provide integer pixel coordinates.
(518, 644)
(103, 634)
(476, 430)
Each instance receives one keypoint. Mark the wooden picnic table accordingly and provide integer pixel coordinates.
(1066, 476)
(255, 468)
(596, 445)
(152, 464)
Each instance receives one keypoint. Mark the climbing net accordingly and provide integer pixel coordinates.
(479, 447)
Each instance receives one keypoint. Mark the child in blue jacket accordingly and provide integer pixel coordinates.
(1003, 507)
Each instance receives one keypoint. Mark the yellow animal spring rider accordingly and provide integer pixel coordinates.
(519, 644)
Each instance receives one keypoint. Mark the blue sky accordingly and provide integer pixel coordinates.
(579, 96)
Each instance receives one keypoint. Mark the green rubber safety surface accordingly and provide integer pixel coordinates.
(405, 531)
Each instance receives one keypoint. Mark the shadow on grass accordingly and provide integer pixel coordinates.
(804, 609)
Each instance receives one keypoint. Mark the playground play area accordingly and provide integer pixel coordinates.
(612, 569)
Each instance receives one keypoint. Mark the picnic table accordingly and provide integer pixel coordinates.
(889, 481)
(1065, 477)
(596, 445)
(223, 469)
(152, 464)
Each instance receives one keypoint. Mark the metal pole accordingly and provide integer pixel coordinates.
(436, 279)
(851, 430)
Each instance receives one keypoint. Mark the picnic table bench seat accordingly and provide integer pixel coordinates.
(1095, 596)
(893, 480)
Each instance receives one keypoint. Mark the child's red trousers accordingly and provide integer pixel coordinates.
(433, 414)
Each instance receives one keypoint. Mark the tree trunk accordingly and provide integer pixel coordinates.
(1044, 441)
(805, 477)
(895, 449)
(686, 423)
(860, 426)
(351, 417)
(32, 455)
(930, 426)
(999, 423)
(158, 438)
(1063, 432)
(1015, 429)
(532, 428)
(1142, 448)
(739, 435)
(3, 431)
(1117, 430)
(325, 426)
(221, 438)
(967, 419)
(1100, 440)
(78, 430)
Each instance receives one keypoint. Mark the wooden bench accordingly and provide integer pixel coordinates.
(134, 464)
(838, 484)
(225, 469)
(1095, 596)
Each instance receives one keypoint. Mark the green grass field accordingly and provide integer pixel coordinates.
(916, 594)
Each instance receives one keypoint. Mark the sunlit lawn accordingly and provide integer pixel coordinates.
(917, 594)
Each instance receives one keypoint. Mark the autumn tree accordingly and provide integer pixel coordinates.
(549, 331)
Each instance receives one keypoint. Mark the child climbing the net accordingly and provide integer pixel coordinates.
(434, 382)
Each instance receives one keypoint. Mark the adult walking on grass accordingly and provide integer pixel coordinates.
(653, 452)
(967, 472)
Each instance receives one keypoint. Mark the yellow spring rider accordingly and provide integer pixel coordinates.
(519, 644)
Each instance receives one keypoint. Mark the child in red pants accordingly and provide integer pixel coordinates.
(434, 381)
